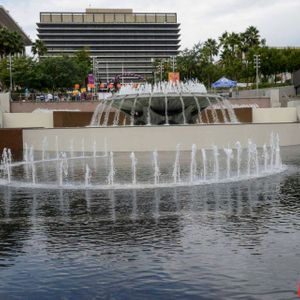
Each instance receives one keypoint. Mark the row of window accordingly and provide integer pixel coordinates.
(108, 25)
(119, 53)
(108, 39)
(106, 45)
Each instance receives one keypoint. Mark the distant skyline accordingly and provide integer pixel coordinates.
(277, 20)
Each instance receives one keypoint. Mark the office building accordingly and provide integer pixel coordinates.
(123, 43)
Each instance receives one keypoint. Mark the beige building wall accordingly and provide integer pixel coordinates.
(274, 115)
(25, 120)
(161, 138)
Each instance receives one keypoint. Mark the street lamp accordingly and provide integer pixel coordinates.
(257, 66)
(10, 73)
(173, 61)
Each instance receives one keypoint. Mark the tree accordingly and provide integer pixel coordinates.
(83, 65)
(38, 48)
(10, 42)
(211, 49)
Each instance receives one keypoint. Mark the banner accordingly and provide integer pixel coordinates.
(173, 76)
(91, 79)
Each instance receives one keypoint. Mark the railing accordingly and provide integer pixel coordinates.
(107, 17)
(54, 97)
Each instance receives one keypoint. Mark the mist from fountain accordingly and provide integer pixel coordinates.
(82, 147)
(63, 168)
(166, 111)
(176, 169)
(26, 153)
(6, 162)
(111, 174)
(216, 162)
(44, 147)
(156, 167)
(56, 147)
(213, 111)
(219, 100)
(72, 148)
(133, 167)
(229, 157)
(133, 111)
(106, 116)
(94, 148)
(149, 111)
(204, 161)
(193, 168)
(117, 114)
(199, 119)
(238, 157)
(183, 109)
(87, 176)
(231, 113)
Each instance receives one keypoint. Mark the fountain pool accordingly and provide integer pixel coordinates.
(237, 239)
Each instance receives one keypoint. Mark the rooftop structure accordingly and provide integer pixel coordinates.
(122, 42)
(7, 21)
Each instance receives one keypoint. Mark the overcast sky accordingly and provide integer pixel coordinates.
(277, 20)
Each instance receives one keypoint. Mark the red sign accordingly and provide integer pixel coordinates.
(174, 77)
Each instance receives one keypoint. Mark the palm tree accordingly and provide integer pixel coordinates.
(251, 37)
(39, 48)
(211, 48)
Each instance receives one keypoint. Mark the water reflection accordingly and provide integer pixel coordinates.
(164, 233)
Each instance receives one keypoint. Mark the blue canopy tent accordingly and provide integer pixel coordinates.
(224, 83)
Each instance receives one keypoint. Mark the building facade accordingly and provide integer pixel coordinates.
(7, 21)
(123, 43)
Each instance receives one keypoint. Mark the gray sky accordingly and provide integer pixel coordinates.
(277, 20)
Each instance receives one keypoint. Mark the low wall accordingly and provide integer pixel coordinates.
(11, 138)
(293, 103)
(161, 138)
(5, 102)
(284, 92)
(243, 115)
(82, 119)
(275, 115)
(263, 102)
(71, 119)
(28, 106)
(25, 120)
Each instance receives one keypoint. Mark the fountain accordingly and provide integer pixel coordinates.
(216, 167)
(162, 103)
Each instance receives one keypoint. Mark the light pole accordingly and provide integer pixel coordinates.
(106, 72)
(257, 66)
(122, 73)
(10, 73)
(161, 69)
(173, 61)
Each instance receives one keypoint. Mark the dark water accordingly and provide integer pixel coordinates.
(223, 241)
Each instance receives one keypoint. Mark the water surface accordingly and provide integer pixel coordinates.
(237, 240)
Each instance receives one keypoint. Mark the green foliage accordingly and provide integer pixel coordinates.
(233, 56)
(49, 73)
(38, 48)
(10, 42)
